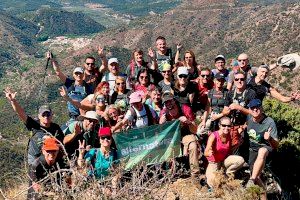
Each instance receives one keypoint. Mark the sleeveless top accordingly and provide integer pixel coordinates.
(221, 150)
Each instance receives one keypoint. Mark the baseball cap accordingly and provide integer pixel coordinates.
(264, 66)
(182, 70)
(219, 57)
(255, 103)
(50, 144)
(91, 115)
(44, 108)
(164, 66)
(105, 131)
(167, 97)
(78, 69)
(112, 60)
(135, 97)
(220, 75)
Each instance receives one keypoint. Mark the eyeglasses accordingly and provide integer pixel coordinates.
(239, 79)
(182, 76)
(205, 75)
(105, 137)
(90, 63)
(225, 125)
(167, 71)
(46, 114)
(240, 60)
(143, 77)
(122, 83)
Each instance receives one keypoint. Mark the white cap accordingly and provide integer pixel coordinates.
(112, 60)
(220, 57)
(91, 115)
(78, 69)
(182, 70)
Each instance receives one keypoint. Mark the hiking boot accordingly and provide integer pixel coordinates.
(250, 183)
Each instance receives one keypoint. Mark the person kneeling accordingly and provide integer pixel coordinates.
(218, 155)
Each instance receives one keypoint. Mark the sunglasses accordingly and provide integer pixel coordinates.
(168, 71)
(105, 137)
(239, 79)
(225, 125)
(78, 73)
(182, 76)
(90, 63)
(92, 120)
(122, 83)
(205, 76)
(46, 114)
(143, 77)
(100, 99)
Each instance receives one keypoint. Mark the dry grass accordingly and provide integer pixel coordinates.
(141, 183)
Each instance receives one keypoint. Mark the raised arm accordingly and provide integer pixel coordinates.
(104, 61)
(177, 55)
(56, 68)
(11, 96)
(274, 93)
(152, 56)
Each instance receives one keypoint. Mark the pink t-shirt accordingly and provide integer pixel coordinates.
(220, 149)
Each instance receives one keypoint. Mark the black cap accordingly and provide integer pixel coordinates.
(220, 75)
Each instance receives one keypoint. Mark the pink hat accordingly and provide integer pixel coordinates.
(136, 97)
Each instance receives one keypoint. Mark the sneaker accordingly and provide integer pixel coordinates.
(250, 183)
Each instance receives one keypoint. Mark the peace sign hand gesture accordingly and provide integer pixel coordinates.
(267, 134)
(81, 147)
(101, 52)
(63, 92)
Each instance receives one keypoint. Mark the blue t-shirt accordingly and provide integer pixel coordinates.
(77, 93)
(100, 165)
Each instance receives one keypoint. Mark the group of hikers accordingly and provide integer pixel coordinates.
(222, 104)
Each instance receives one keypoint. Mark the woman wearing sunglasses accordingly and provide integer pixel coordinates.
(120, 95)
(143, 83)
(101, 93)
(98, 162)
(184, 91)
(218, 155)
(190, 63)
(216, 101)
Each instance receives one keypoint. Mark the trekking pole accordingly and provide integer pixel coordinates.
(43, 82)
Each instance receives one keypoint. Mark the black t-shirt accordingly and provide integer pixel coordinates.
(183, 96)
(242, 99)
(217, 99)
(54, 129)
(260, 90)
(115, 97)
(38, 133)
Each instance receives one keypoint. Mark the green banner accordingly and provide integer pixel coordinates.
(152, 144)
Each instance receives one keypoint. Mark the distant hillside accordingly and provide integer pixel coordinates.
(264, 31)
(21, 6)
(59, 22)
(17, 37)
